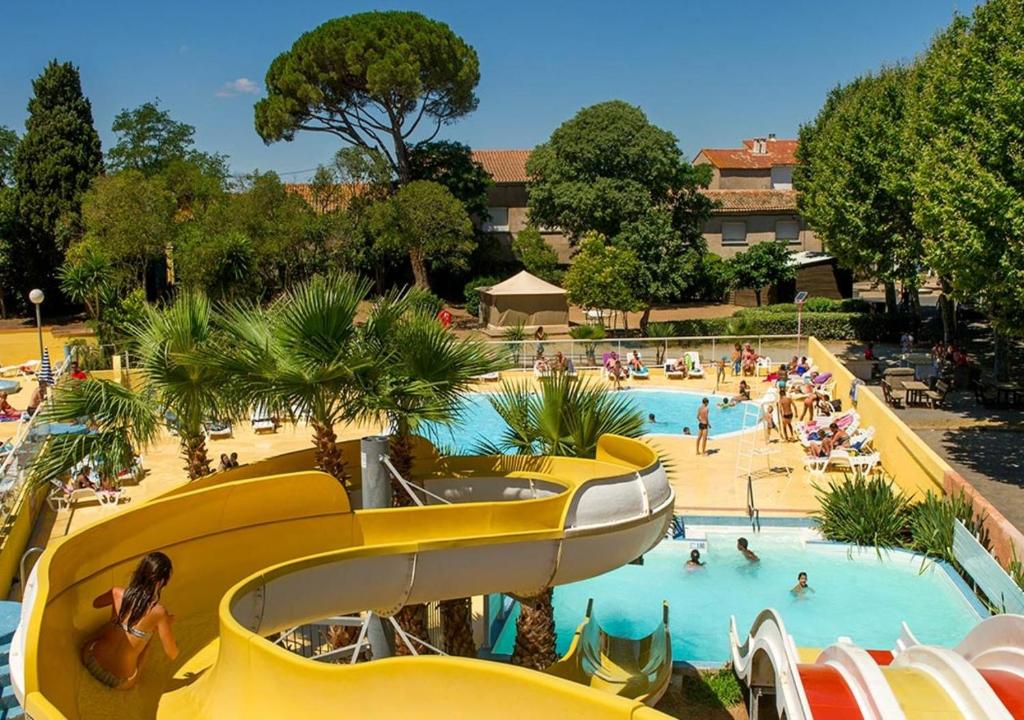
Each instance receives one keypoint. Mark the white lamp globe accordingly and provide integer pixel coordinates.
(36, 296)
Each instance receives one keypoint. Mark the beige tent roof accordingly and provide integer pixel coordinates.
(524, 284)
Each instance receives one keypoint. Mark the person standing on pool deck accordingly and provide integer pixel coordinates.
(786, 413)
(801, 587)
(743, 546)
(703, 425)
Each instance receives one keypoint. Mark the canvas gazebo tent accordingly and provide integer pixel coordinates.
(526, 299)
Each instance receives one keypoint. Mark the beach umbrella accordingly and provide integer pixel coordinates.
(45, 375)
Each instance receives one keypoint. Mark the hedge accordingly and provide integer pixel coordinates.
(823, 325)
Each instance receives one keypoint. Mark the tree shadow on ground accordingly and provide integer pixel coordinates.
(996, 453)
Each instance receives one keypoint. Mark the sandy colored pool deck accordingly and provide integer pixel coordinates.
(704, 485)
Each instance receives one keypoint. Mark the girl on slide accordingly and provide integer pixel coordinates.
(115, 655)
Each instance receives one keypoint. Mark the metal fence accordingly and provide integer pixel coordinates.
(522, 354)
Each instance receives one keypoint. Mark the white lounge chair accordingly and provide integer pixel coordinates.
(763, 366)
(488, 377)
(671, 373)
(261, 420)
(26, 368)
(859, 463)
(60, 498)
(695, 369)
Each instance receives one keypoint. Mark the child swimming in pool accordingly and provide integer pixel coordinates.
(114, 656)
(694, 563)
(801, 588)
(744, 547)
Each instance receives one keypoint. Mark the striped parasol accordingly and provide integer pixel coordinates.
(45, 374)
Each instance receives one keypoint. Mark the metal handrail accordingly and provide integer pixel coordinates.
(408, 486)
(21, 565)
(523, 352)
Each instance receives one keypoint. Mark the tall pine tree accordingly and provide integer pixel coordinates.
(55, 161)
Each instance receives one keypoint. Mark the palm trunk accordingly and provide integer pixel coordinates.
(413, 620)
(328, 454)
(535, 632)
(194, 449)
(891, 304)
(457, 622)
(400, 449)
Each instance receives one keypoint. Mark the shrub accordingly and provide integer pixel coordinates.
(659, 329)
(422, 300)
(713, 688)
(472, 296)
(931, 523)
(822, 304)
(862, 511)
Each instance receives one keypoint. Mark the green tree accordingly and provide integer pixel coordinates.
(172, 345)
(9, 266)
(565, 418)
(424, 221)
(298, 358)
(536, 255)
(451, 164)
(8, 144)
(603, 276)
(88, 277)
(130, 217)
(371, 79)
(968, 183)
(149, 139)
(221, 266)
(422, 373)
(855, 179)
(124, 423)
(605, 167)
(612, 171)
(763, 265)
(54, 163)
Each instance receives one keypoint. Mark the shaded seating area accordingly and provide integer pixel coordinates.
(526, 300)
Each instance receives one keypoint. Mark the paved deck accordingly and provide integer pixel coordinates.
(704, 485)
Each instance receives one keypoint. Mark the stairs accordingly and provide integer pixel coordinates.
(9, 614)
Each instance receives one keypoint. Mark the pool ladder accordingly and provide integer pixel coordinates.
(752, 512)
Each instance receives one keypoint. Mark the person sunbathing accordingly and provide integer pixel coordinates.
(7, 410)
(37, 399)
(558, 364)
(115, 655)
(541, 366)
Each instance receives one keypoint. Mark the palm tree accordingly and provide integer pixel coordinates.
(173, 346)
(121, 423)
(298, 358)
(566, 418)
(422, 373)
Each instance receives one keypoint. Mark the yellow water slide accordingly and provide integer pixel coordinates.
(639, 669)
(275, 545)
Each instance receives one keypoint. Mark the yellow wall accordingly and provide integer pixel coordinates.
(914, 466)
(26, 510)
(17, 346)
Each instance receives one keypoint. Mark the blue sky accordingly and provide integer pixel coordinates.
(712, 72)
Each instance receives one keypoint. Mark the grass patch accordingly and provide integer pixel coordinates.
(713, 688)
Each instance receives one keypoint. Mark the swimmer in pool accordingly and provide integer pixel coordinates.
(801, 587)
(650, 418)
(687, 431)
(694, 563)
(743, 546)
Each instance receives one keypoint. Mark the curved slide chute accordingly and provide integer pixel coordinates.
(639, 669)
(277, 545)
(915, 681)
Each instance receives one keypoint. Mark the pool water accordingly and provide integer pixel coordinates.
(858, 596)
(672, 409)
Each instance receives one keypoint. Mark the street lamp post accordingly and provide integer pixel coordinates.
(37, 297)
(799, 300)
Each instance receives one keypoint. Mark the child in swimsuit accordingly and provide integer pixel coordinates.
(115, 655)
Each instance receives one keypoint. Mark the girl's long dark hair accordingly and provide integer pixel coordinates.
(143, 592)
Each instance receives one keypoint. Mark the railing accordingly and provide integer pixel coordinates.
(521, 354)
(752, 512)
(13, 469)
(985, 571)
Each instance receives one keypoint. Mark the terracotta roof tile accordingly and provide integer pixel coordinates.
(505, 166)
(779, 152)
(334, 201)
(747, 201)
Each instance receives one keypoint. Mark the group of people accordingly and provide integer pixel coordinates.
(559, 363)
(228, 461)
(744, 359)
(743, 547)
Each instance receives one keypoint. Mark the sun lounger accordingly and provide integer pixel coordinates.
(261, 420)
(218, 430)
(62, 499)
(694, 368)
(641, 374)
(488, 377)
(26, 368)
(763, 366)
(671, 373)
(859, 463)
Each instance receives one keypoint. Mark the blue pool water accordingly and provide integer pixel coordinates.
(672, 409)
(858, 596)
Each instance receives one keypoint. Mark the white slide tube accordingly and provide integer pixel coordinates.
(958, 678)
(865, 680)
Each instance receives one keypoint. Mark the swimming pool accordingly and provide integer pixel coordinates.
(672, 409)
(856, 595)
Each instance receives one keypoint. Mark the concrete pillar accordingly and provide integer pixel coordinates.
(376, 491)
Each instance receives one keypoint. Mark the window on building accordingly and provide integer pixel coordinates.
(734, 233)
(787, 231)
(782, 177)
(498, 221)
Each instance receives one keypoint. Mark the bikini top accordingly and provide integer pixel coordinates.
(141, 634)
